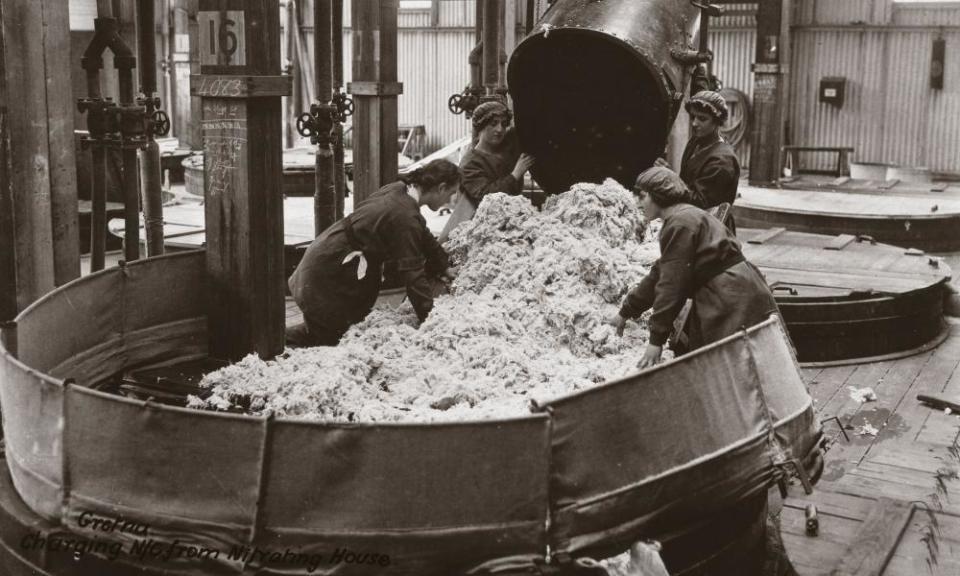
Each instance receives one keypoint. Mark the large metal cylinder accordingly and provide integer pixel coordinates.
(596, 88)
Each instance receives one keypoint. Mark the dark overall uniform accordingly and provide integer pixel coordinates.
(484, 173)
(388, 227)
(700, 259)
(712, 172)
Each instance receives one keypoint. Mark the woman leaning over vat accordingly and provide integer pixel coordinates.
(338, 280)
(699, 259)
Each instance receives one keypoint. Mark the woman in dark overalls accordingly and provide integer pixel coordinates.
(699, 259)
(709, 167)
(338, 281)
(494, 163)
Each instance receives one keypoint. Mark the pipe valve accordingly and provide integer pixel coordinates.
(317, 124)
(343, 105)
(466, 101)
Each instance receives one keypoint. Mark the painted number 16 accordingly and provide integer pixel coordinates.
(222, 38)
(226, 38)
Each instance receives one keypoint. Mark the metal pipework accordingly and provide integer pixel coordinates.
(339, 175)
(104, 120)
(491, 42)
(596, 89)
(150, 170)
(324, 199)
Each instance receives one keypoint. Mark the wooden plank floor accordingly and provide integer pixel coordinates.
(914, 459)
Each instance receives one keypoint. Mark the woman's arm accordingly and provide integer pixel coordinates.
(406, 244)
(437, 258)
(479, 178)
(640, 298)
(715, 180)
(675, 284)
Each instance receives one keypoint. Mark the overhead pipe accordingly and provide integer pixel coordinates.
(530, 17)
(476, 55)
(98, 168)
(151, 179)
(324, 199)
(293, 65)
(125, 62)
(471, 96)
(491, 42)
(339, 173)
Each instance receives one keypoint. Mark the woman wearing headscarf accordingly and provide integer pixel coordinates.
(699, 259)
(494, 164)
(338, 280)
(709, 167)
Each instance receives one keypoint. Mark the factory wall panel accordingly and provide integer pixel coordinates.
(907, 99)
(848, 54)
(924, 15)
(456, 13)
(733, 51)
(433, 66)
(943, 137)
(842, 11)
(737, 16)
(890, 114)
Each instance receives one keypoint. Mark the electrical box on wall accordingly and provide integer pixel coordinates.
(937, 63)
(833, 89)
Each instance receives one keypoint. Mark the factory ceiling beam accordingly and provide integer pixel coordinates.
(241, 88)
(375, 89)
(39, 247)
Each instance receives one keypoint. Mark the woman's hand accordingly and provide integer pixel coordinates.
(651, 356)
(524, 164)
(661, 162)
(450, 274)
(618, 322)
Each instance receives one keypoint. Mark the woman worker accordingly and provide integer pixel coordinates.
(494, 164)
(338, 280)
(709, 166)
(699, 259)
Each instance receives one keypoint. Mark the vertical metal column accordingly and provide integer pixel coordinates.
(150, 173)
(491, 46)
(324, 198)
(339, 176)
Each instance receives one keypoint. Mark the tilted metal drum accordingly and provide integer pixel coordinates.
(597, 86)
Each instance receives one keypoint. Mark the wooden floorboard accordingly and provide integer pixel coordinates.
(890, 390)
(913, 459)
(912, 414)
(828, 383)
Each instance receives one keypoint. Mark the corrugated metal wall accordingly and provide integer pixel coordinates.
(891, 115)
(733, 40)
(432, 64)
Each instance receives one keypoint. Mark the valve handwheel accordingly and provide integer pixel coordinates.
(305, 124)
(455, 104)
(161, 123)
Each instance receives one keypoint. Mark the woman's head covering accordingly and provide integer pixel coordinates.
(665, 187)
(710, 102)
(486, 113)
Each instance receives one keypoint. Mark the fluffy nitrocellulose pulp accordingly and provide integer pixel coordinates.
(524, 320)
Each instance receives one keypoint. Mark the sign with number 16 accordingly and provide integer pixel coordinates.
(222, 40)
